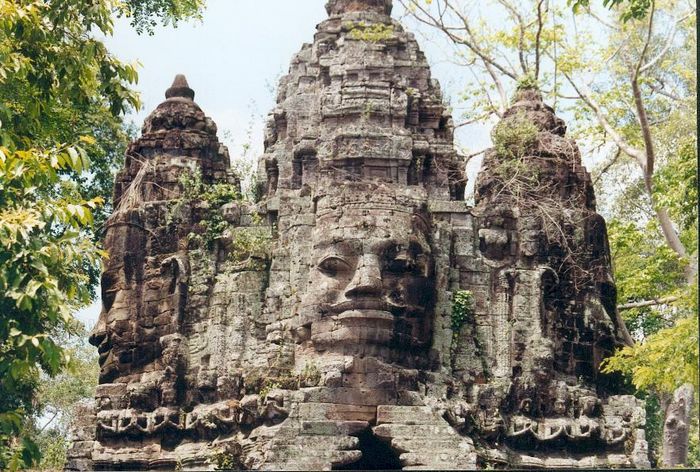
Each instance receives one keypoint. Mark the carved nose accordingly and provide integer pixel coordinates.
(98, 333)
(367, 281)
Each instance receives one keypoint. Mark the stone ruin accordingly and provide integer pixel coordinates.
(359, 315)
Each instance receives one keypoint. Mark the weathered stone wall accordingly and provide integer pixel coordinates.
(316, 329)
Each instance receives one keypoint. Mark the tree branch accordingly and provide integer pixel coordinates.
(471, 156)
(661, 91)
(639, 105)
(662, 214)
(474, 120)
(646, 303)
(607, 166)
(468, 41)
(492, 66)
(667, 43)
(601, 21)
(50, 421)
(521, 27)
(537, 39)
(585, 95)
(489, 62)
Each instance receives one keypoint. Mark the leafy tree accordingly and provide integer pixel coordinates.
(617, 80)
(43, 255)
(57, 398)
(146, 13)
(667, 359)
(62, 101)
(631, 9)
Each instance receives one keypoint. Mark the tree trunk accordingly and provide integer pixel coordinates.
(677, 427)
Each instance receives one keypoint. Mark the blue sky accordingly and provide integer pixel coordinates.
(233, 59)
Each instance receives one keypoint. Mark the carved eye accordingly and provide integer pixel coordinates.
(401, 264)
(333, 265)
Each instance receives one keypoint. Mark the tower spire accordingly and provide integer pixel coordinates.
(340, 7)
(180, 88)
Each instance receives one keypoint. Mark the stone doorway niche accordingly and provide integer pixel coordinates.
(376, 454)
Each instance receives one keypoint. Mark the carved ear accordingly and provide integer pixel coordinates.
(420, 222)
(108, 290)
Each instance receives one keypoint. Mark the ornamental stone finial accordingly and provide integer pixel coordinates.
(339, 7)
(180, 88)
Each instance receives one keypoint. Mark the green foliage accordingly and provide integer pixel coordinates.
(146, 14)
(57, 397)
(630, 9)
(508, 35)
(664, 361)
(58, 84)
(677, 186)
(245, 165)
(654, 427)
(694, 440)
(53, 445)
(262, 383)
(603, 53)
(217, 195)
(229, 457)
(250, 248)
(214, 196)
(53, 69)
(268, 386)
(245, 168)
(44, 253)
(527, 82)
(373, 33)
(462, 309)
(462, 312)
(645, 269)
(513, 137)
(310, 375)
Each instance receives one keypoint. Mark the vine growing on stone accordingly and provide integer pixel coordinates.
(462, 309)
(462, 312)
(521, 182)
(213, 196)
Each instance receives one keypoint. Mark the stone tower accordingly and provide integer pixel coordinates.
(360, 315)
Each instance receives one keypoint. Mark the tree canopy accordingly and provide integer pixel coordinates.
(63, 96)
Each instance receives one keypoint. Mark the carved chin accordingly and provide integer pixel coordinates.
(108, 370)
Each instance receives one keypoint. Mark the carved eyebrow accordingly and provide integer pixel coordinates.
(348, 247)
(414, 245)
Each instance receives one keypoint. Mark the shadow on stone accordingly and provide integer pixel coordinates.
(376, 455)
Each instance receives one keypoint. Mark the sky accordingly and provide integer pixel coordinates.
(233, 59)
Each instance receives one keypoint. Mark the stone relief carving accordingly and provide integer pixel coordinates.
(315, 329)
(371, 282)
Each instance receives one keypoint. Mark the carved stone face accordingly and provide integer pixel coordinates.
(130, 331)
(114, 333)
(370, 286)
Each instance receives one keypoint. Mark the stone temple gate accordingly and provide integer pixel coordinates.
(360, 315)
